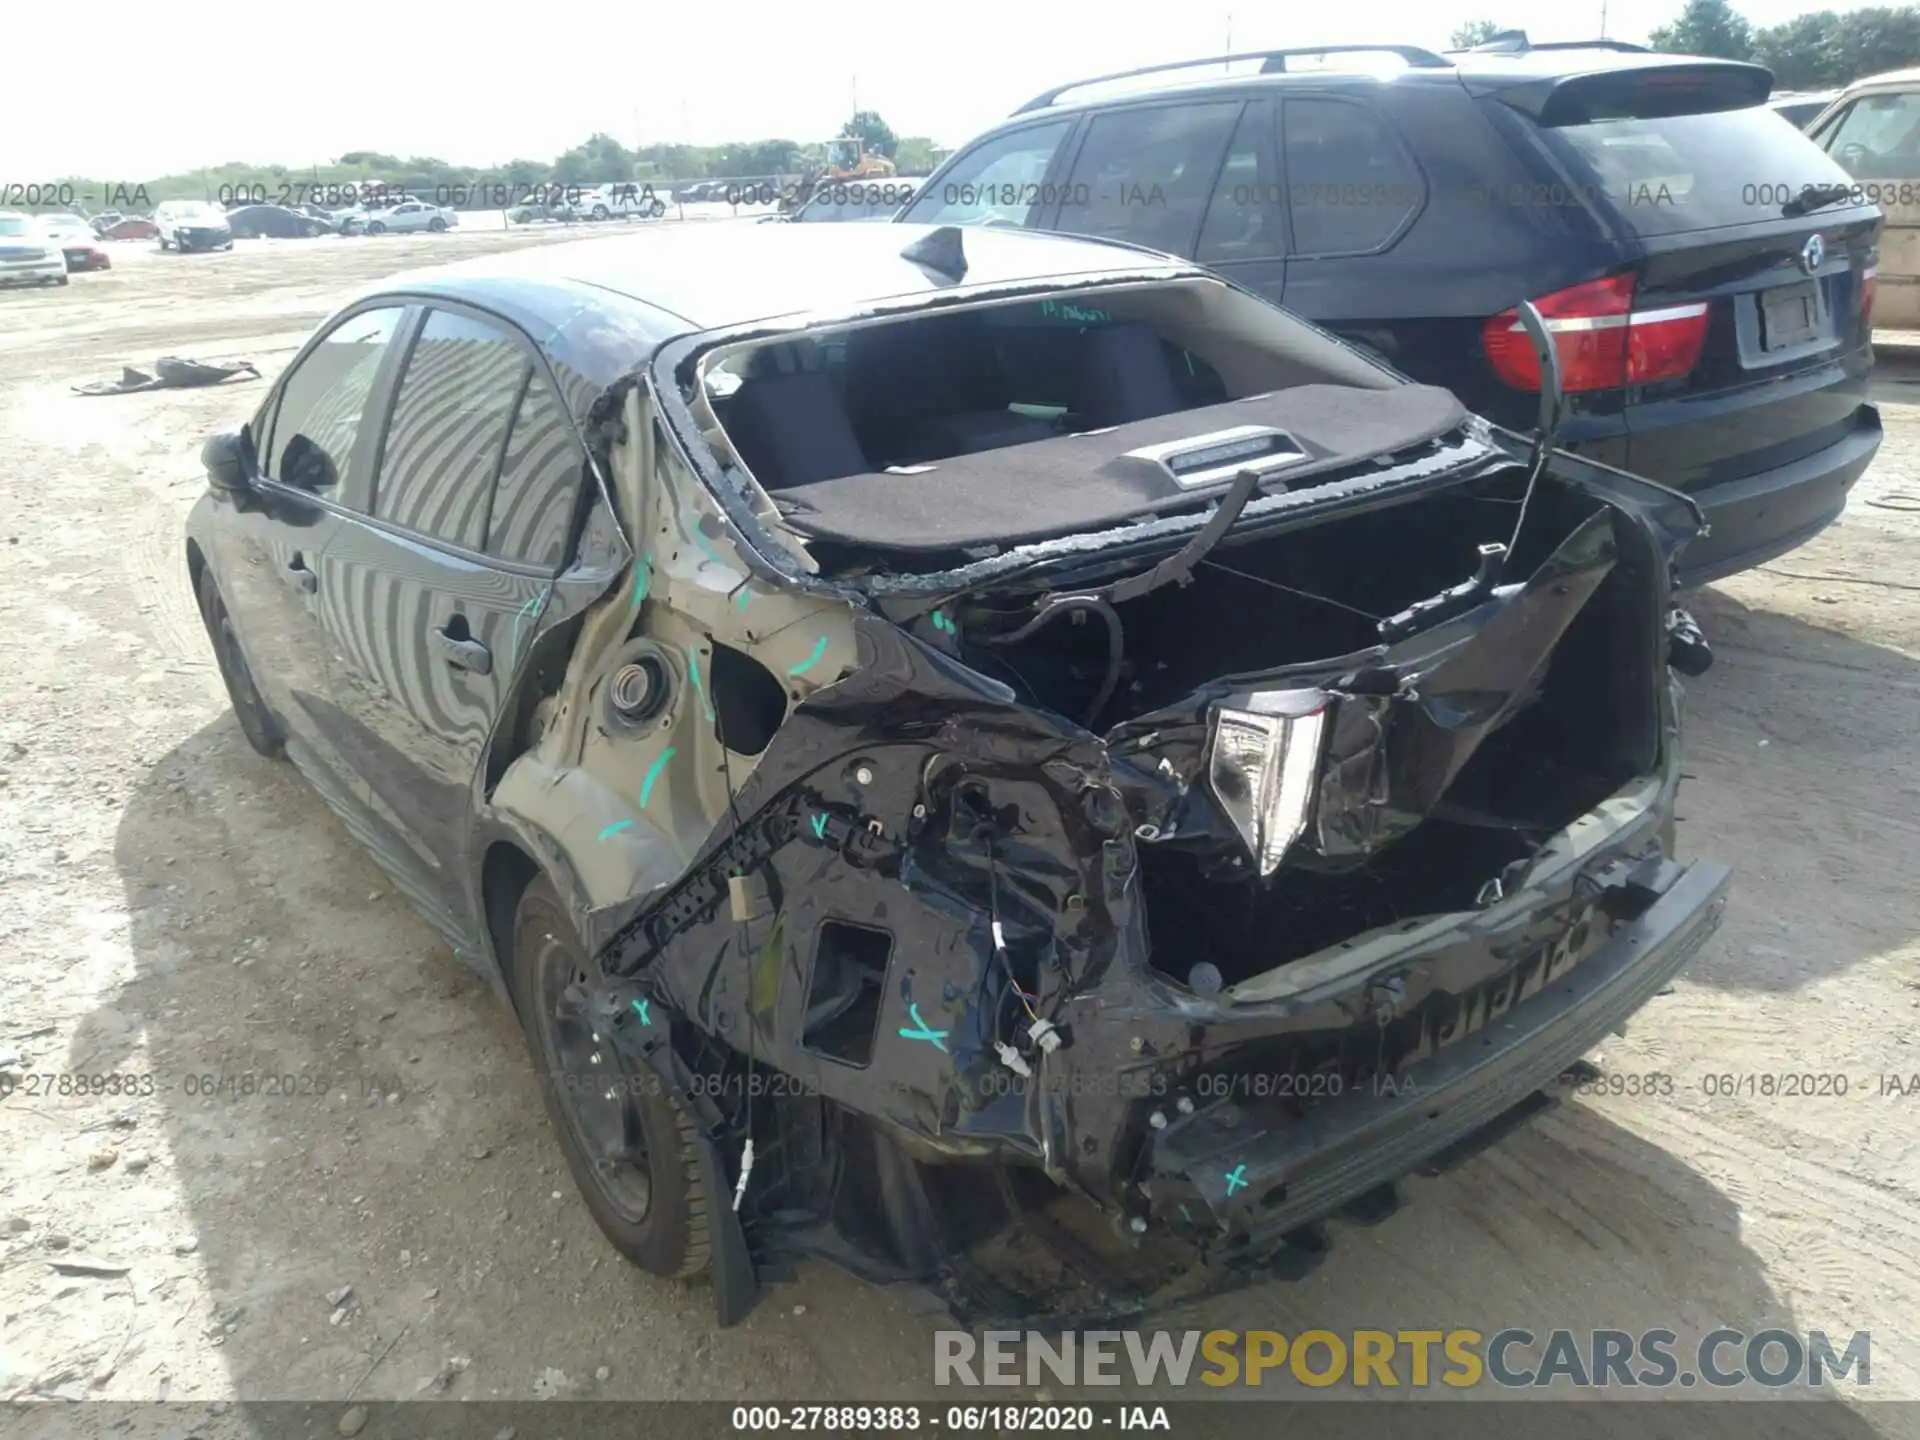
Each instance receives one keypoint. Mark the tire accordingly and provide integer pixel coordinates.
(600, 212)
(63, 280)
(650, 1202)
(376, 227)
(437, 225)
(163, 243)
(658, 209)
(256, 721)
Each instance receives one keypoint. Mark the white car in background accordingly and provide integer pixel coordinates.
(1873, 131)
(406, 215)
(624, 201)
(28, 254)
(185, 225)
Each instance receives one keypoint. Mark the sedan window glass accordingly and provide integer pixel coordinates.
(1878, 138)
(321, 406)
(998, 183)
(449, 426)
(533, 502)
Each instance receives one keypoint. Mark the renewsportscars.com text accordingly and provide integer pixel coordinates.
(1382, 1359)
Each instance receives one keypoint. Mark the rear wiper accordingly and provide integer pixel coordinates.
(1815, 198)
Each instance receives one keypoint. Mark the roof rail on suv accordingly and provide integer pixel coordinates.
(1515, 42)
(1275, 63)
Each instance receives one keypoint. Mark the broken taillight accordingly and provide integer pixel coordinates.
(1264, 766)
(1604, 343)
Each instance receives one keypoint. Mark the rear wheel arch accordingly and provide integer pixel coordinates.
(196, 565)
(505, 872)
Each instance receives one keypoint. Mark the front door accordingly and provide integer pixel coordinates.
(312, 457)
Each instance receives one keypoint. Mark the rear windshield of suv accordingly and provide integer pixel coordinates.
(1668, 174)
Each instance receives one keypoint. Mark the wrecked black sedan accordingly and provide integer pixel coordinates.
(1002, 761)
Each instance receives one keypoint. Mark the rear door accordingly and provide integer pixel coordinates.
(1146, 174)
(1352, 190)
(1875, 138)
(1245, 232)
(439, 588)
(1731, 270)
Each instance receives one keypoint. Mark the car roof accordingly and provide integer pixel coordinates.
(1909, 76)
(600, 308)
(716, 275)
(1479, 71)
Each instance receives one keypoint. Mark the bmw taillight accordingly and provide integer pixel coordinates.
(1869, 283)
(1604, 343)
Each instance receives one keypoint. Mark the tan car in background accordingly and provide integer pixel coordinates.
(1873, 131)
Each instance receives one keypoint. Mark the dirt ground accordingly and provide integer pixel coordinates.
(173, 907)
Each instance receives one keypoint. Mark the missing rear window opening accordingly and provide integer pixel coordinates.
(843, 991)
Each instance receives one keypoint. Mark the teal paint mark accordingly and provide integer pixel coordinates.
(820, 827)
(1236, 1179)
(653, 774)
(943, 623)
(1184, 1215)
(693, 670)
(642, 581)
(811, 660)
(640, 1009)
(533, 603)
(706, 545)
(616, 828)
(921, 1032)
(1079, 314)
(746, 594)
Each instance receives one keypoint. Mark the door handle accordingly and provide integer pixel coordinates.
(463, 653)
(304, 580)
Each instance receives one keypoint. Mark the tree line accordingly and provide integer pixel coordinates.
(600, 159)
(1823, 50)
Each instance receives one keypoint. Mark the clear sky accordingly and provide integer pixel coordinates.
(144, 88)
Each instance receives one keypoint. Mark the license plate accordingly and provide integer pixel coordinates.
(1790, 316)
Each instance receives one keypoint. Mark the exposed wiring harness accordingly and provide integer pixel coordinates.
(1056, 605)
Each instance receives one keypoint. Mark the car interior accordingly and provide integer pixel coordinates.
(946, 430)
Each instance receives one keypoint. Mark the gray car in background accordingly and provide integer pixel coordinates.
(28, 254)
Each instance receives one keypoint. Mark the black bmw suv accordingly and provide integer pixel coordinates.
(1708, 272)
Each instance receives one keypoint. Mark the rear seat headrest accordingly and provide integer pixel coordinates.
(791, 429)
(1123, 375)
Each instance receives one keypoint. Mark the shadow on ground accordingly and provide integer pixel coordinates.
(1802, 774)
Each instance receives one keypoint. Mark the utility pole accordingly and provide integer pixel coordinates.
(1603, 19)
(1229, 49)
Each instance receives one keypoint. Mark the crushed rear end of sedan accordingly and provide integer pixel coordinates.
(1103, 779)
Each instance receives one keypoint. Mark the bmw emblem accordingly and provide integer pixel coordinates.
(1813, 254)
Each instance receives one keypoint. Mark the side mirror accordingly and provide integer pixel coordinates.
(225, 459)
